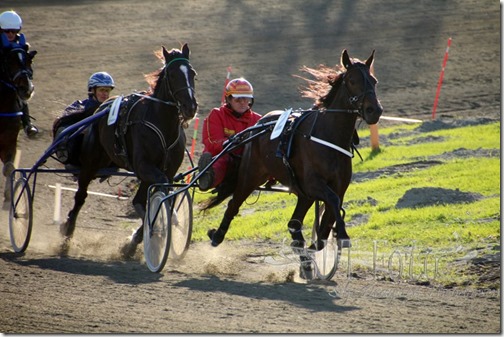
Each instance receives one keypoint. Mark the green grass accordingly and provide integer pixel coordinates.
(411, 147)
(434, 227)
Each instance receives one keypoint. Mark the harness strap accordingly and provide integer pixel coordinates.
(11, 114)
(158, 132)
(332, 146)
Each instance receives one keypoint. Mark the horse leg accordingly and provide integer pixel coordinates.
(67, 228)
(328, 219)
(295, 224)
(147, 175)
(7, 171)
(139, 203)
(243, 190)
(334, 205)
(217, 235)
(251, 174)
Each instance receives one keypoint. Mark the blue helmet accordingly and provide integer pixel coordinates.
(10, 20)
(100, 79)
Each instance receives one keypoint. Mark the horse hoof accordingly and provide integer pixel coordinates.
(213, 237)
(65, 247)
(129, 250)
(306, 271)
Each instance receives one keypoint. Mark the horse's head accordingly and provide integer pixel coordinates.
(360, 87)
(179, 75)
(16, 70)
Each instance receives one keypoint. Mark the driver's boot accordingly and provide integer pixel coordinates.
(30, 129)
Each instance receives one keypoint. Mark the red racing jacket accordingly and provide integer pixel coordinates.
(221, 123)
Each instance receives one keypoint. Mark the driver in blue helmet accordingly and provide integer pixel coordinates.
(99, 87)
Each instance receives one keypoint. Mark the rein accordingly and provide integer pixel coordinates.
(156, 99)
(9, 85)
(350, 111)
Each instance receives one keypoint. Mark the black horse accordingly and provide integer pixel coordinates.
(147, 138)
(312, 156)
(16, 87)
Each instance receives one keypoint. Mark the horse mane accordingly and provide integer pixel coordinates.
(152, 78)
(325, 84)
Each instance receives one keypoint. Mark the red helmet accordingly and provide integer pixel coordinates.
(239, 87)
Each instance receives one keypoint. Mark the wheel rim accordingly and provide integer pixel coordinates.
(20, 216)
(156, 233)
(181, 225)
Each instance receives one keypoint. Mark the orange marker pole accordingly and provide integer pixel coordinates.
(195, 136)
(440, 79)
(223, 98)
(374, 137)
(193, 145)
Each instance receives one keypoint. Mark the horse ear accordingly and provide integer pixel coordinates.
(186, 51)
(165, 53)
(345, 59)
(31, 54)
(369, 61)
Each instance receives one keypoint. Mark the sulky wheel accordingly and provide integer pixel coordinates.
(157, 232)
(21, 216)
(181, 224)
(326, 260)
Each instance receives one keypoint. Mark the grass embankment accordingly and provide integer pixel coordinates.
(454, 227)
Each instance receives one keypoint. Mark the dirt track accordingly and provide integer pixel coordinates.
(231, 288)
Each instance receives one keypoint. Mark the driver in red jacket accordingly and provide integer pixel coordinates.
(234, 116)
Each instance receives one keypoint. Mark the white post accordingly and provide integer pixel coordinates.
(57, 204)
(17, 159)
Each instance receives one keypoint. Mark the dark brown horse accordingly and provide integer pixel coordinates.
(147, 139)
(16, 86)
(312, 156)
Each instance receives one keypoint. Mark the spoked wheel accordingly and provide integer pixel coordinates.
(181, 225)
(326, 260)
(21, 216)
(157, 232)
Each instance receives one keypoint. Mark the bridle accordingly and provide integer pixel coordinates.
(166, 78)
(21, 53)
(8, 80)
(356, 101)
